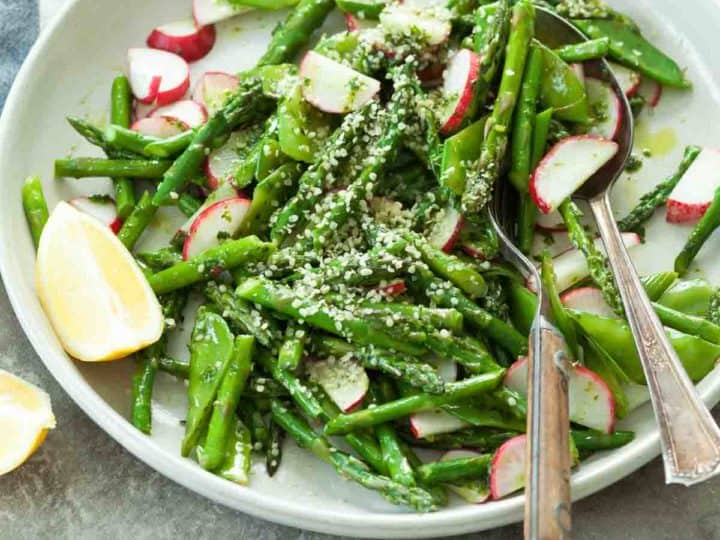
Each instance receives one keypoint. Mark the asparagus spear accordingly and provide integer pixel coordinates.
(348, 466)
(593, 440)
(478, 188)
(599, 272)
(713, 314)
(300, 393)
(137, 221)
(699, 235)
(210, 263)
(236, 466)
(399, 408)
(273, 453)
(292, 348)
(658, 195)
(35, 206)
(490, 36)
(452, 470)
(114, 168)
(562, 320)
(120, 102)
(96, 136)
(392, 453)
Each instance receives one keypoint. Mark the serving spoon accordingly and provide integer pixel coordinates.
(689, 436)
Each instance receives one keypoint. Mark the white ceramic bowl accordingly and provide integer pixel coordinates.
(69, 72)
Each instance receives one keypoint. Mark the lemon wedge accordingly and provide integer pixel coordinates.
(25, 418)
(95, 295)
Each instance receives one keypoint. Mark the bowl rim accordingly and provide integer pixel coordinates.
(590, 478)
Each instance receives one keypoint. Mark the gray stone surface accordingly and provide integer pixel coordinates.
(82, 485)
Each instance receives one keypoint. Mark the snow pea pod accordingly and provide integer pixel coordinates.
(459, 153)
(211, 347)
(302, 129)
(236, 467)
(691, 296)
(630, 48)
(696, 355)
(561, 89)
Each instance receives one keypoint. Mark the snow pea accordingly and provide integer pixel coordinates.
(691, 296)
(211, 347)
(302, 129)
(459, 153)
(523, 305)
(656, 284)
(236, 467)
(269, 153)
(629, 47)
(561, 89)
(696, 355)
(598, 360)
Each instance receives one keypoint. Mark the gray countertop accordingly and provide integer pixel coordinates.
(83, 485)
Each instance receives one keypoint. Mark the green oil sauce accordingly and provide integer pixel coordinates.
(656, 143)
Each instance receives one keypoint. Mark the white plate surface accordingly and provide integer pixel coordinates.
(69, 71)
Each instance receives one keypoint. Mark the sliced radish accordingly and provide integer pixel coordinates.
(353, 23)
(343, 379)
(588, 299)
(101, 208)
(447, 368)
(446, 229)
(216, 222)
(463, 69)
(211, 11)
(223, 162)
(188, 112)
(591, 401)
(636, 394)
(394, 288)
(433, 422)
(472, 491)
(183, 38)
(333, 87)
(142, 110)
(693, 194)
(606, 105)
(651, 90)
(213, 89)
(566, 167)
(407, 20)
(579, 70)
(507, 470)
(159, 126)
(223, 192)
(628, 79)
(551, 222)
(157, 76)
(571, 266)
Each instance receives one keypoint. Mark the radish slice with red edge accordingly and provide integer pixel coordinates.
(693, 194)
(636, 394)
(434, 422)
(604, 102)
(571, 266)
(462, 70)
(343, 379)
(566, 167)
(223, 162)
(214, 223)
(157, 76)
(446, 229)
(333, 87)
(551, 222)
(159, 126)
(473, 491)
(429, 23)
(651, 90)
(142, 110)
(394, 288)
(187, 111)
(222, 192)
(183, 38)
(628, 79)
(591, 402)
(213, 89)
(211, 11)
(507, 470)
(353, 23)
(446, 368)
(587, 299)
(101, 208)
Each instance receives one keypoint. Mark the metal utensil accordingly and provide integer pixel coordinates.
(547, 490)
(689, 436)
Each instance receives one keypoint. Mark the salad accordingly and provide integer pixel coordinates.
(338, 240)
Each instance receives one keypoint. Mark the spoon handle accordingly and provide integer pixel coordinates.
(689, 437)
(547, 461)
